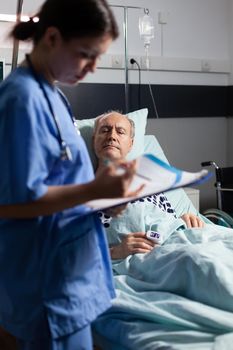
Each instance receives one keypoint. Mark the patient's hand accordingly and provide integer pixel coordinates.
(133, 243)
(192, 220)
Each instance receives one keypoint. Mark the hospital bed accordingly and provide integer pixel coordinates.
(167, 320)
(180, 202)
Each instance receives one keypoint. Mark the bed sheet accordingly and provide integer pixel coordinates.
(179, 296)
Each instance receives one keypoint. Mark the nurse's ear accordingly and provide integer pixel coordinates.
(52, 37)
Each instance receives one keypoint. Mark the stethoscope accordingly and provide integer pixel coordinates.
(65, 149)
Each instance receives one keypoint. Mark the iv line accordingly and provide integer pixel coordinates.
(150, 89)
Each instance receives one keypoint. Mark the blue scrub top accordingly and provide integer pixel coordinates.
(55, 272)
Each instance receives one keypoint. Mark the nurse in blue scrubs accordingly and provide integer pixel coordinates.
(55, 275)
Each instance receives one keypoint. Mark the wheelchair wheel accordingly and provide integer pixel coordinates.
(219, 217)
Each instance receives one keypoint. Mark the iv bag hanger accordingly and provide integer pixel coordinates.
(16, 42)
(146, 32)
(147, 27)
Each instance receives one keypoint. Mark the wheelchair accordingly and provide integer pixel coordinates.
(223, 214)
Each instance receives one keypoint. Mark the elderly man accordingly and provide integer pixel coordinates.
(113, 139)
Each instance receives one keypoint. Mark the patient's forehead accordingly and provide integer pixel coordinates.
(114, 119)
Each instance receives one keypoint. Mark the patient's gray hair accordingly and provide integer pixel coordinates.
(132, 124)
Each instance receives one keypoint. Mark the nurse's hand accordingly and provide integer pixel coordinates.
(107, 184)
(114, 180)
(192, 220)
(132, 243)
(116, 211)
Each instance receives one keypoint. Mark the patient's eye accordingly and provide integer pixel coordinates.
(121, 131)
(104, 129)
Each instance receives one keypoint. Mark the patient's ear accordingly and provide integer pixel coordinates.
(93, 141)
(132, 141)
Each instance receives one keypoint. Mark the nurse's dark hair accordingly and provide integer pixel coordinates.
(73, 18)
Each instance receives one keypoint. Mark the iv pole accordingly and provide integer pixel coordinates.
(125, 29)
(16, 42)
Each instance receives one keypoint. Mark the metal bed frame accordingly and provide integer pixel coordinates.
(223, 214)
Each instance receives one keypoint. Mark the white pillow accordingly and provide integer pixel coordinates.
(86, 127)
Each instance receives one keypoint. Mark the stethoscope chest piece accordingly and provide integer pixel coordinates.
(66, 152)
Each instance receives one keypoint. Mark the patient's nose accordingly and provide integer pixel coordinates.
(112, 134)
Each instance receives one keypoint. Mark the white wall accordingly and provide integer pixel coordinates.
(197, 31)
(189, 141)
(29, 6)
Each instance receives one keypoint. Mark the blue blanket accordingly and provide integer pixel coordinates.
(178, 296)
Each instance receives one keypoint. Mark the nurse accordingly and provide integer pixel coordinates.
(55, 275)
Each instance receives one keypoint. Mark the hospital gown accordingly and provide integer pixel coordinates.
(139, 216)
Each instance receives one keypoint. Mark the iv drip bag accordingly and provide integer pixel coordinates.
(146, 29)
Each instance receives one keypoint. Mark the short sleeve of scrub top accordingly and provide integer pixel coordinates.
(24, 168)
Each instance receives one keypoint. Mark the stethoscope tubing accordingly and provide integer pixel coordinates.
(65, 150)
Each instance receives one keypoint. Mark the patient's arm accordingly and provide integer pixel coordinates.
(192, 220)
(132, 243)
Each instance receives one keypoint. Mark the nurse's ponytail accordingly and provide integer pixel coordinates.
(24, 30)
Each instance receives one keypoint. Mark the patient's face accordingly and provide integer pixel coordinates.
(112, 138)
